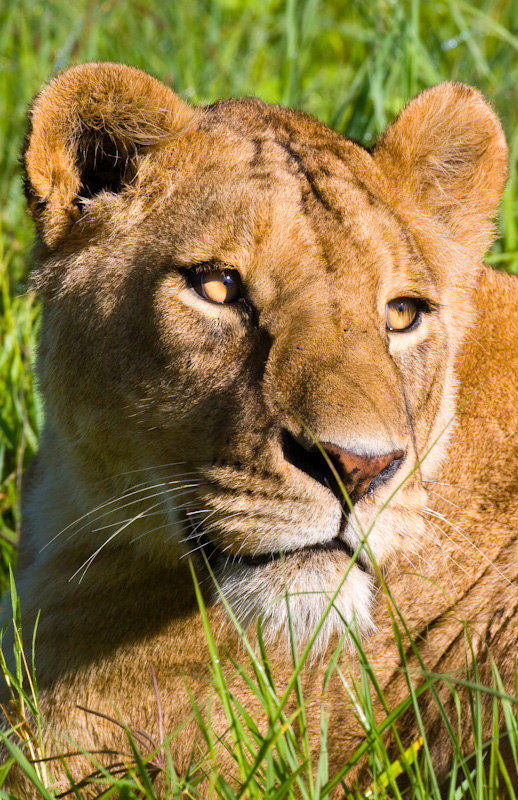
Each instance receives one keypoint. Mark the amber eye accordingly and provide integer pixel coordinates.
(218, 286)
(402, 313)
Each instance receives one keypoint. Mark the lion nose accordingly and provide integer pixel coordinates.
(358, 474)
(361, 474)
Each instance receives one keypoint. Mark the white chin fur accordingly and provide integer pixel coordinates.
(306, 583)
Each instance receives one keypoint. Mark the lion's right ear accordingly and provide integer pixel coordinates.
(89, 128)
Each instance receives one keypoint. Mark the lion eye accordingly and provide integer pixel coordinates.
(402, 314)
(218, 286)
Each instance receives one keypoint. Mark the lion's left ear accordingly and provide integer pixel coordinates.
(446, 156)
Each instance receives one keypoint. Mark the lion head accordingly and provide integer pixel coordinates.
(250, 326)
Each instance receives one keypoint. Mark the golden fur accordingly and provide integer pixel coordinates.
(178, 427)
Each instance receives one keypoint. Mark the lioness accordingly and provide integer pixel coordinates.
(268, 351)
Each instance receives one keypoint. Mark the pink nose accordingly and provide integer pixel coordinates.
(358, 472)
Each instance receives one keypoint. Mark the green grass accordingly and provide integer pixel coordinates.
(353, 64)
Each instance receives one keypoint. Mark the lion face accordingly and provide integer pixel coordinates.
(250, 329)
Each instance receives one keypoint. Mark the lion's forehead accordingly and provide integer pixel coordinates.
(277, 189)
(283, 241)
(269, 145)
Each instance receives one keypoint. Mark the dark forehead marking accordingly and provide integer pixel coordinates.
(438, 371)
(257, 158)
(411, 244)
(310, 178)
(256, 121)
(259, 123)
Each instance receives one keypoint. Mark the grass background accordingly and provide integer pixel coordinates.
(352, 63)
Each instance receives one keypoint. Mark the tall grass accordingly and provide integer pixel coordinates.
(353, 64)
(271, 758)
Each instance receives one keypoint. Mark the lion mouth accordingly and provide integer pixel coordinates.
(214, 554)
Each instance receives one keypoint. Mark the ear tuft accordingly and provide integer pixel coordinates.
(88, 129)
(446, 156)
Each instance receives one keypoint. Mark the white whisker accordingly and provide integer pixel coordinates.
(464, 552)
(155, 468)
(164, 493)
(430, 491)
(89, 560)
(445, 556)
(138, 489)
(468, 540)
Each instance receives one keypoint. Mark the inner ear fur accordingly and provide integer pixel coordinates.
(88, 129)
(445, 156)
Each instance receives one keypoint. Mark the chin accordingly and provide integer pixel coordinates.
(295, 592)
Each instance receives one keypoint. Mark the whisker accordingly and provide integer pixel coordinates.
(193, 550)
(140, 487)
(161, 512)
(200, 526)
(154, 530)
(464, 552)
(431, 491)
(147, 497)
(468, 540)
(151, 488)
(89, 560)
(445, 483)
(197, 527)
(446, 556)
(201, 523)
(155, 468)
(418, 548)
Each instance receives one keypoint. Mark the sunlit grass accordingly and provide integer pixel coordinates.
(353, 65)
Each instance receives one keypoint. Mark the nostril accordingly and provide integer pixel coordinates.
(389, 471)
(309, 460)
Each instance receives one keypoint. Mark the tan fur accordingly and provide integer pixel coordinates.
(168, 415)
